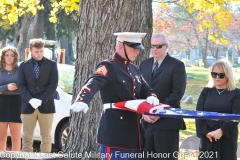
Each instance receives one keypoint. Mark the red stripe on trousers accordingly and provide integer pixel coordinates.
(108, 151)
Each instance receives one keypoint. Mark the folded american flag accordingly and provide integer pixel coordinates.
(141, 106)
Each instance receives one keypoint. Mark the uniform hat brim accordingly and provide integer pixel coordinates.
(134, 45)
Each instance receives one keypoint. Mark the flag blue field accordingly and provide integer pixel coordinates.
(184, 113)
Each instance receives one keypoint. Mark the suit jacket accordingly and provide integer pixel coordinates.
(169, 84)
(42, 88)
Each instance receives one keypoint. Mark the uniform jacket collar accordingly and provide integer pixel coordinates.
(121, 59)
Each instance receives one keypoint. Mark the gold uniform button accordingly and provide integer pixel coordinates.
(121, 117)
(134, 87)
(81, 99)
(134, 94)
(83, 95)
(123, 81)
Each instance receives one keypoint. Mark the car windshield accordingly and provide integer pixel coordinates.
(48, 53)
(66, 77)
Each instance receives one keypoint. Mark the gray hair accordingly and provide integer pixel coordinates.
(157, 35)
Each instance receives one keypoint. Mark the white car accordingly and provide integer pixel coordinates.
(62, 99)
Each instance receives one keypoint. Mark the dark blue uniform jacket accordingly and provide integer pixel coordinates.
(118, 80)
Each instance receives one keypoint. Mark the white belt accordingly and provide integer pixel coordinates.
(109, 105)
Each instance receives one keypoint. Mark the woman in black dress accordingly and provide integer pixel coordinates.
(218, 139)
(10, 99)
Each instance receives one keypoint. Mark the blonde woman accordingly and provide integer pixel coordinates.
(10, 99)
(218, 139)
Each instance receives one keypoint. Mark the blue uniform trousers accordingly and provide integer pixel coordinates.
(109, 153)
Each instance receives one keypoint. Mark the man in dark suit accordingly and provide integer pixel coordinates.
(37, 82)
(167, 77)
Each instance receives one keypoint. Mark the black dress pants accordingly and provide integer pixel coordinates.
(160, 144)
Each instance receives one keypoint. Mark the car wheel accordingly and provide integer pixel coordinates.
(63, 135)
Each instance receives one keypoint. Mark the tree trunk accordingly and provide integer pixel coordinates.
(17, 27)
(25, 34)
(49, 27)
(70, 51)
(204, 51)
(146, 23)
(216, 54)
(38, 29)
(4, 43)
(52, 32)
(95, 42)
(204, 58)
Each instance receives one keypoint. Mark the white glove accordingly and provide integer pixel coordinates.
(79, 106)
(152, 100)
(35, 103)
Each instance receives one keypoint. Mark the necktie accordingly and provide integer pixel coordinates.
(155, 68)
(36, 69)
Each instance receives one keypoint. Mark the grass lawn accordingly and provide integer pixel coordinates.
(197, 79)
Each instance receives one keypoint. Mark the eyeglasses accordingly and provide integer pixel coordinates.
(158, 46)
(220, 75)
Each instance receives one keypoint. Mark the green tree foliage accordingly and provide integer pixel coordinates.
(11, 10)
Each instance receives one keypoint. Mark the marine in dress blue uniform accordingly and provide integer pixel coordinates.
(118, 80)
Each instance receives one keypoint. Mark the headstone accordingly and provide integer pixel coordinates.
(188, 100)
(188, 63)
(184, 97)
(192, 56)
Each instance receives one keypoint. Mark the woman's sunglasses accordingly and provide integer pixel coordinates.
(220, 75)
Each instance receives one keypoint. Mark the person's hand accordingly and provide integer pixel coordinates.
(147, 118)
(152, 100)
(12, 86)
(151, 119)
(79, 106)
(217, 134)
(35, 103)
(155, 118)
(209, 136)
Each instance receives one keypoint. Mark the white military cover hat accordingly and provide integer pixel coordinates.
(132, 39)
